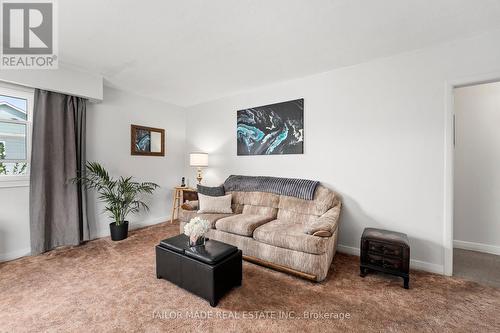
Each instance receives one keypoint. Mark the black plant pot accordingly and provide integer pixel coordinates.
(118, 232)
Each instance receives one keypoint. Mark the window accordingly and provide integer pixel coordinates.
(16, 105)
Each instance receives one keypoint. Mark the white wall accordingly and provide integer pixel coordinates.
(108, 142)
(65, 79)
(477, 172)
(14, 211)
(373, 132)
(14, 222)
(14, 198)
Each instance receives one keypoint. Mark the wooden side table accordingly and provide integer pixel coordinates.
(181, 194)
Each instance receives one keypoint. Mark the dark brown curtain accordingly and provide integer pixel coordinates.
(57, 205)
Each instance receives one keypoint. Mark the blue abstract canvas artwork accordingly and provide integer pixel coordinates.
(143, 140)
(271, 129)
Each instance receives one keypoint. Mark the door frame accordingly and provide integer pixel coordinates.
(449, 148)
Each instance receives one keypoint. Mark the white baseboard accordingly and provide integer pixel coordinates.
(426, 266)
(414, 264)
(104, 230)
(15, 254)
(486, 248)
(348, 250)
(142, 224)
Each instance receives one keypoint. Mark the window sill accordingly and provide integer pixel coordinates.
(15, 181)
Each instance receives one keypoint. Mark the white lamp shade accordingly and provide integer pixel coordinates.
(198, 159)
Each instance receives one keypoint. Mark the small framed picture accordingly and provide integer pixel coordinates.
(147, 141)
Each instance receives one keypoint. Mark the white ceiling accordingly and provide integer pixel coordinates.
(189, 51)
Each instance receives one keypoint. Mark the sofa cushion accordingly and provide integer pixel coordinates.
(260, 210)
(242, 224)
(291, 236)
(323, 200)
(296, 217)
(187, 215)
(256, 198)
(209, 204)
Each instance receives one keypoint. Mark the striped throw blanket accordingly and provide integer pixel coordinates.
(299, 188)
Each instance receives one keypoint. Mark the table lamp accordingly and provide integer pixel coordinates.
(198, 160)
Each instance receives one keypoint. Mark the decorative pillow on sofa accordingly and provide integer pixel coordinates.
(217, 191)
(190, 205)
(209, 204)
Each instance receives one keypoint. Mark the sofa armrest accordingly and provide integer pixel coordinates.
(322, 233)
(190, 205)
(326, 224)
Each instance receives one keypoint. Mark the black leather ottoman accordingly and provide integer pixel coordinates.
(207, 271)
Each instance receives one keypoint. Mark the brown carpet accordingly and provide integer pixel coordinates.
(106, 286)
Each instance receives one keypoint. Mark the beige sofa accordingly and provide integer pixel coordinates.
(285, 233)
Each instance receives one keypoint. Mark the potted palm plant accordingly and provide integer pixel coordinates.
(120, 196)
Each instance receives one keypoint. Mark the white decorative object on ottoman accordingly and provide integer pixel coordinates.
(196, 230)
